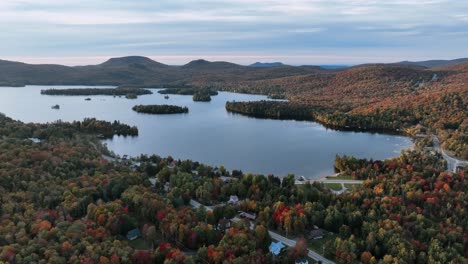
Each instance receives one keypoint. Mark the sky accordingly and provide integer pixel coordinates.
(175, 32)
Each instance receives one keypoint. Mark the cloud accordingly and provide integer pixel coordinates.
(90, 28)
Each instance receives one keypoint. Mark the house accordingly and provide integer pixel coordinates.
(133, 234)
(233, 199)
(172, 165)
(276, 247)
(302, 261)
(35, 140)
(153, 181)
(248, 215)
(167, 187)
(316, 234)
(125, 157)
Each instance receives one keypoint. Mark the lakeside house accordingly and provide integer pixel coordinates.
(133, 234)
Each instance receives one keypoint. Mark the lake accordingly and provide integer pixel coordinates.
(208, 133)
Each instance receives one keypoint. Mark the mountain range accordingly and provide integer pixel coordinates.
(141, 71)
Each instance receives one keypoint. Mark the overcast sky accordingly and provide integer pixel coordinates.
(241, 31)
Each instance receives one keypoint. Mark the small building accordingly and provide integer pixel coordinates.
(317, 234)
(35, 140)
(125, 157)
(153, 181)
(233, 199)
(302, 261)
(248, 216)
(172, 165)
(276, 247)
(133, 234)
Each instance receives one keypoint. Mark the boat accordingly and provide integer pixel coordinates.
(88, 99)
(166, 97)
(56, 107)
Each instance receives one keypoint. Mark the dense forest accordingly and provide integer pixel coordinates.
(129, 92)
(63, 202)
(160, 109)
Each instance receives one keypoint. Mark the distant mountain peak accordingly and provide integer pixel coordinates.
(267, 64)
(197, 63)
(135, 60)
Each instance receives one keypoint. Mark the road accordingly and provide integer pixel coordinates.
(197, 205)
(288, 242)
(452, 163)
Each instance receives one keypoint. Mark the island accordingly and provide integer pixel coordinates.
(160, 109)
(97, 91)
(56, 107)
(201, 97)
(131, 96)
(188, 91)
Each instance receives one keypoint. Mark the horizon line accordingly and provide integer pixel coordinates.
(73, 61)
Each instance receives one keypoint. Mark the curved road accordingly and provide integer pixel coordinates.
(452, 163)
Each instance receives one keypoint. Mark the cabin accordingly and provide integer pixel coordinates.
(317, 234)
(133, 234)
(153, 181)
(172, 165)
(233, 199)
(276, 247)
(248, 215)
(35, 140)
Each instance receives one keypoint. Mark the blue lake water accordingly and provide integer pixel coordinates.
(208, 133)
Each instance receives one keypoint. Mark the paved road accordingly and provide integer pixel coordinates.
(197, 205)
(452, 163)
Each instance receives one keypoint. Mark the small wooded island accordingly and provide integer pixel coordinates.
(160, 109)
(201, 97)
(188, 91)
(133, 92)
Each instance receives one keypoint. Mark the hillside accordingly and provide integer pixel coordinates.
(435, 63)
(383, 97)
(141, 71)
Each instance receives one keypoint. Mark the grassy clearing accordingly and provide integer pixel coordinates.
(340, 177)
(352, 186)
(334, 186)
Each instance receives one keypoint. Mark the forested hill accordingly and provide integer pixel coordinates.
(142, 71)
(379, 96)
